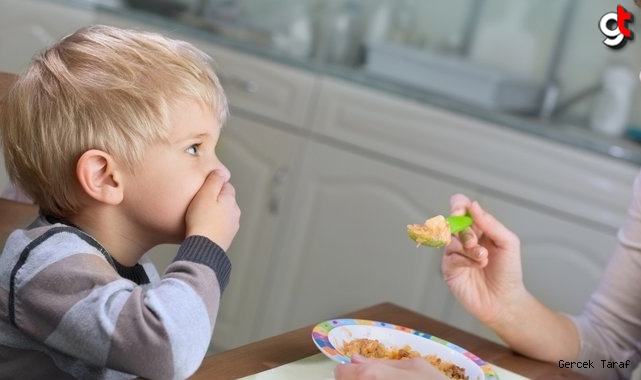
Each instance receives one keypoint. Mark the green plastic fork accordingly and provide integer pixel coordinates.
(459, 223)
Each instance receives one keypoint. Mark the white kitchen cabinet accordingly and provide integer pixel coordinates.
(562, 179)
(566, 204)
(345, 245)
(261, 87)
(562, 260)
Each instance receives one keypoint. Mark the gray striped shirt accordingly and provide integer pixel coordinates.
(68, 311)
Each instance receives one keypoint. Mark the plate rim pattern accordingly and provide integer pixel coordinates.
(320, 336)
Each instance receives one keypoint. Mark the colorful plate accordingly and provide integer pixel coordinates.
(330, 336)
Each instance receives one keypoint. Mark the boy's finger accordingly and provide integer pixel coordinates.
(227, 190)
(214, 182)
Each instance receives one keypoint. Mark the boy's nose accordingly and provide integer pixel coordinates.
(222, 171)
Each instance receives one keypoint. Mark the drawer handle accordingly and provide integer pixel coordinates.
(278, 182)
(246, 85)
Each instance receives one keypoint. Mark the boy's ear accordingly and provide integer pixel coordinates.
(99, 177)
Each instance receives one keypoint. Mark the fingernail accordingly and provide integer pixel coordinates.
(478, 206)
(465, 236)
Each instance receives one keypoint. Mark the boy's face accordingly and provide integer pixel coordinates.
(159, 191)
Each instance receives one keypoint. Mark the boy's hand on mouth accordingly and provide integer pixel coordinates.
(214, 212)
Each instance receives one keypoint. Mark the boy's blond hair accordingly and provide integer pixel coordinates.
(99, 88)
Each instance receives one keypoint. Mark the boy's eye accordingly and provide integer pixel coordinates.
(193, 150)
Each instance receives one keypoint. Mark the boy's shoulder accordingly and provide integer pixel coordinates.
(43, 244)
(46, 231)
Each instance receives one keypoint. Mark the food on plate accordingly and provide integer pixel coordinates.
(372, 348)
(435, 232)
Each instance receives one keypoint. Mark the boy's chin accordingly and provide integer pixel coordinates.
(173, 237)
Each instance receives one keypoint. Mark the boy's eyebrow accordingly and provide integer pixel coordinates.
(193, 136)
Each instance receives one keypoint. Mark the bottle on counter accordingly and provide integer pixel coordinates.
(378, 25)
(344, 35)
(403, 23)
(611, 111)
(295, 37)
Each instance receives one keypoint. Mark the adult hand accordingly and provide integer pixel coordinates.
(383, 369)
(482, 265)
(213, 212)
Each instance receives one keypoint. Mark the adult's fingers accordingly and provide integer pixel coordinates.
(413, 369)
(475, 255)
(468, 238)
(459, 204)
(356, 358)
(500, 235)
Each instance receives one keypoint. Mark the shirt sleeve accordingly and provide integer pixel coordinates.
(78, 305)
(610, 326)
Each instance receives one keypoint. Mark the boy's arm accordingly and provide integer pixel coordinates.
(186, 303)
(78, 305)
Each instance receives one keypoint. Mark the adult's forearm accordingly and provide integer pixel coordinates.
(535, 330)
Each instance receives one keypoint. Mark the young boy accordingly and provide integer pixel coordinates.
(113, 134)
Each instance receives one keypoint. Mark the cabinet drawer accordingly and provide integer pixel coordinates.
(252, 84)
(262, 87)
(544, 174)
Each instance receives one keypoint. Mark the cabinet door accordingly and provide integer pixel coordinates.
(586, 186)
(260, 159)
(562, 260)
(346, 245)
(262, 87)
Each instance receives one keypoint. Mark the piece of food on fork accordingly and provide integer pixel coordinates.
(437, 231)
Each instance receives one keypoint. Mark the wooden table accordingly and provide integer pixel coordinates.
(295, 345)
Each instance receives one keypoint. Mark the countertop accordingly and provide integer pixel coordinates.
(622, 149)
